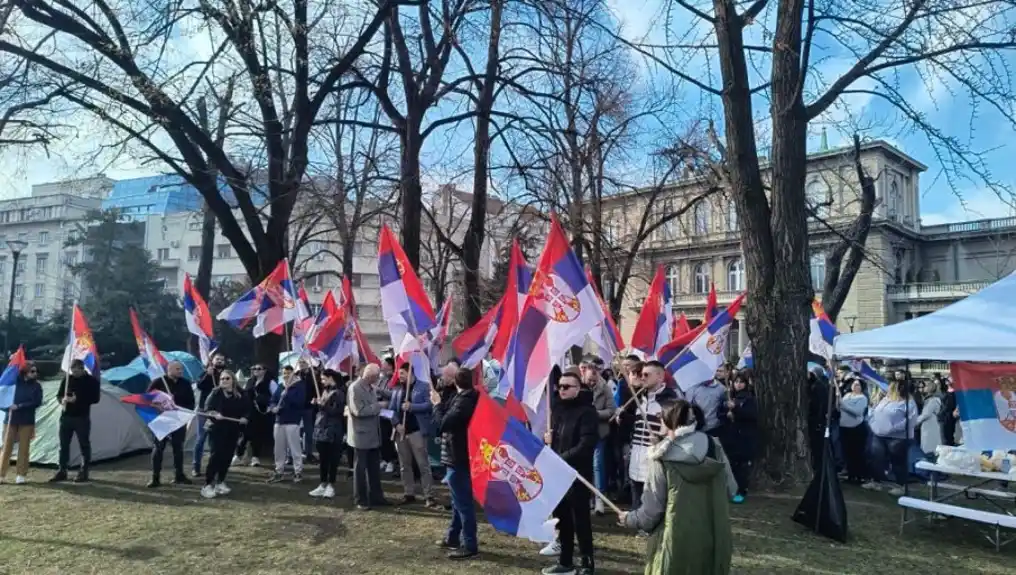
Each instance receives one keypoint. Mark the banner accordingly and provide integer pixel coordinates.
(986, 396)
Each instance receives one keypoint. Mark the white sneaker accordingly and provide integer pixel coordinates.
(329, 492)
(598, 506)
(222, 489)
(553, 549)
(208, 492)
(389, 467)
(20, 480)
(236, 461)
(896, 491)
(318, 491)
(255, 462)
(872, 486)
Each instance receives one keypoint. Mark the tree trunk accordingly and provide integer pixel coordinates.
(203, 282)
(412, 191)
(472, 244)
(347, 257)
(774, 238)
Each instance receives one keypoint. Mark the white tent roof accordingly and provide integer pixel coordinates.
(979, 327)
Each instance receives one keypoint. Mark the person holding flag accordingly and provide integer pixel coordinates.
(258, 432)
(208, 382)
(411, 413)
(175, 385)
(227, 410)
(19, 416)
(452, 419)
(77, 394)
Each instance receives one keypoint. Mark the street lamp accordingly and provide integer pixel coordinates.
(16, 247)
(850, 322)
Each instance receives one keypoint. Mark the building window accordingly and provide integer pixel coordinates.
(41, 263)
(21, 267)
(223, 251)
(356, 280)
(817, 270)
(894, 200)
(674, 279)
(43, 238)
(701, 214)
(19, 291)
(3, 268)
(193, 253)
(818, 199)
(71, 258)
(735, 275)
(702, 278)
(163, 254)
(317, 281)
(732, 223)
(40, 289)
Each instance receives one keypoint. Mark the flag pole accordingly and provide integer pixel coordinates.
(599, 494)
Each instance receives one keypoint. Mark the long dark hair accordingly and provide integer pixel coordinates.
(681, 413)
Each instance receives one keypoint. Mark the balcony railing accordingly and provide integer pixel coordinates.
(992, 225)
(934, 291)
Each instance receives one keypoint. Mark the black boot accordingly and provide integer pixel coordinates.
(60, 475)
(154, 483)
(586, 566)
(82, 476)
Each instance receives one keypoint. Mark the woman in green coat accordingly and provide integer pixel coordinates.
(685, 505)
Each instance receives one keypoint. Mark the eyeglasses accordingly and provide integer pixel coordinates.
(563, 387)
(221, 379)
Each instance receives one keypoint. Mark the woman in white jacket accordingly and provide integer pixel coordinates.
(931, 429)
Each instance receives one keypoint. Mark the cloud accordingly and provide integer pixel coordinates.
(977, 205)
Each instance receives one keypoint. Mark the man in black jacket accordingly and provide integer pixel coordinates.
(208, 382)
(452, 421)
(77, 399)
(176, 385)
(574, 436)
(312, 379)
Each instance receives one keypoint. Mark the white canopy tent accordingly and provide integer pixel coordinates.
(979, 327)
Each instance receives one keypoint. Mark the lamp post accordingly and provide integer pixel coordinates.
(850, 322)
(16, 247)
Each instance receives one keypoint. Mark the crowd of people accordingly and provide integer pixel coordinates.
(640, 441)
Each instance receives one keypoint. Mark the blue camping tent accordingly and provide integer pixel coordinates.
(127, 378)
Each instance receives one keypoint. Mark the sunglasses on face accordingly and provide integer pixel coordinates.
(564, 387)
(33, 371)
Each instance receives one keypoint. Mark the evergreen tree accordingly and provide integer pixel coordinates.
(117, 273)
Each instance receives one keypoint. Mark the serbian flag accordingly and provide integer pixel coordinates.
(868, 373)
(199, 319)
(404, 303)
(823, 332)
(364, 353)
(9, 378)
(681, 326)
(473, 344)
(986, 397)
(159, 412)
(334, 341)
(273, 303)
(698, 361)
(520, 279)
(303, 325)
(80, 345)
(153, 359)
(560, 309)
(654, 327)
(607, 337)
(439, 334)
(515, 477)
(747, 360)
(710, 305)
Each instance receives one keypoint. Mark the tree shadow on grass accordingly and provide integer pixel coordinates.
(120, 491)
(132, 553)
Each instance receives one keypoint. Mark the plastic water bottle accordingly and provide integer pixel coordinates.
(1006, 465)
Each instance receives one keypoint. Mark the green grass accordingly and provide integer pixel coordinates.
(116, 525)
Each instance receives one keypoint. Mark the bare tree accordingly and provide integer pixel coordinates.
(774, 51)
(126, 71)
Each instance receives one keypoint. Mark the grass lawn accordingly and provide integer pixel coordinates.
(116, 525)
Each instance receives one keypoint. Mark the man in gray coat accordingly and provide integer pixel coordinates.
(363, 412)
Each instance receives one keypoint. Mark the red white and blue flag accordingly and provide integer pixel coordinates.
(159, 412)
(473, 344)
(272, 303)
(559, 310)
(155, 362)
(607, 337)
(301, 327)
(80, 345)
(364, 353)
(655, 325)
(520, 279)
(822, 334)
(199, 319)
(9, 377)
(986, 397)
(710, 305)
(404, 304)
(515, 477)
(439, 334)
(698, 361)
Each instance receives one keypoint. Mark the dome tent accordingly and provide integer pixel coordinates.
(116, 428)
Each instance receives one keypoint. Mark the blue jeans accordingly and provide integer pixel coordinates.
(199, 443)
(600, 466)
(463, 527)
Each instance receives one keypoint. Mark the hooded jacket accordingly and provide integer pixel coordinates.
(687, 492)
(575, 433)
